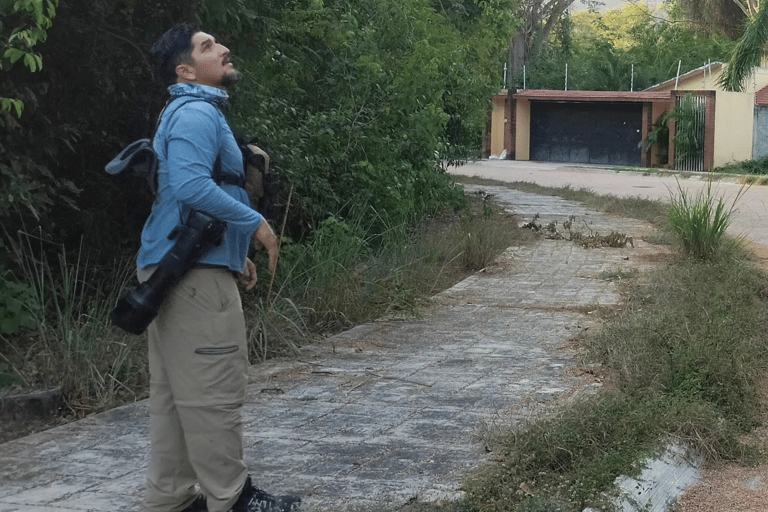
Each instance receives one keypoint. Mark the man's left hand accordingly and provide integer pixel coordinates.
(249, 277)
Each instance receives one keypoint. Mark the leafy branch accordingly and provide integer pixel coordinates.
(33, 19)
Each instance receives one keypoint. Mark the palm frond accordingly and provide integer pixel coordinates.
(748, 51)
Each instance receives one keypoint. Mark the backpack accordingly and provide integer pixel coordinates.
(262, 184)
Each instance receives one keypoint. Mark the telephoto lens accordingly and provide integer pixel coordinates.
(135, 311)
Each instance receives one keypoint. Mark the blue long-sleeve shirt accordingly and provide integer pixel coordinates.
(188, 140)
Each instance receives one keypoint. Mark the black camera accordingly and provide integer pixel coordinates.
(194, 238)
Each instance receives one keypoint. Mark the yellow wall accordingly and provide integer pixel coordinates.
(757, 81)
(657, 109)
(498, 123)
(523, 130)
(734, 120)
(707, 81)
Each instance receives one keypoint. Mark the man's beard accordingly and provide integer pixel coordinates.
(230, 79)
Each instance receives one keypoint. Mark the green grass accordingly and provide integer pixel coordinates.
(754, 167)
(341, 277)
(700, 221)
(70, 343)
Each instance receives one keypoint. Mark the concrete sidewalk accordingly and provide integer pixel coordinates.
(385, 412)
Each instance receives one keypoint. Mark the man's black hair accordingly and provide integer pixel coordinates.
(174, 47)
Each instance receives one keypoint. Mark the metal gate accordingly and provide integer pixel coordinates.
(586, 132)
(690, 123)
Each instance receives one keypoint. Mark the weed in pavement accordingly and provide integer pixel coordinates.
(701, 220)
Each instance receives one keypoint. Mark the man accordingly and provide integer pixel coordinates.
(197, 343)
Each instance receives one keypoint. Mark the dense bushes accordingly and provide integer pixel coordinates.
(353, 100)
(358, 102)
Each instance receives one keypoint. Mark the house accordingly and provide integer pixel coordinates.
(605, 127)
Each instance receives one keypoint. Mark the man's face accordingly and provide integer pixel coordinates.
(210, 65)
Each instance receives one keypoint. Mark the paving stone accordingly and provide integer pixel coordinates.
(380, 414)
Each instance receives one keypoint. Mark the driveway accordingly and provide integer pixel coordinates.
(750, 220)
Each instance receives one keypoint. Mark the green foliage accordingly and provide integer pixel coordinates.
(335, 248)
(70, 342)
(688, 116)
(342, 275)
(758, 167)
(23, 24)
(25, 180)
(622, 49)
(699, 339)
(16, 303)
(478, 238)
(748, 52)
(658, 137)
(361, 101)
(700, 221)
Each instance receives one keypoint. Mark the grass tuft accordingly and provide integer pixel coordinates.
(701, 220)
(72, 344)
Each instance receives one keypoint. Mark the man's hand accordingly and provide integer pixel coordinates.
(249, 278)
(265, 237)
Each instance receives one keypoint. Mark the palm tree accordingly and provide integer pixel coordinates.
(748, 51)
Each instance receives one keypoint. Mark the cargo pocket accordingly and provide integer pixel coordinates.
(220, 374)
(216, 351)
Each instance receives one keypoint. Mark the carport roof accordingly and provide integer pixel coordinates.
(620, 96)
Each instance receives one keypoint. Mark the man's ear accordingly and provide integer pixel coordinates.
(185, 72)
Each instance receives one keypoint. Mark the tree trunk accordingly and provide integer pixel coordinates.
(518, 51)
(540, 18)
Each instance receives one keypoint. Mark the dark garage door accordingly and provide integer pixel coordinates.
(593, 133)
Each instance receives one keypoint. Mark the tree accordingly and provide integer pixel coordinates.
(748, 51)
(358, 101)
(724, 16)
(23, 24)
(631, 47)
(539, 18)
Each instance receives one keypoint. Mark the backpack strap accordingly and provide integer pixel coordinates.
(220, 176)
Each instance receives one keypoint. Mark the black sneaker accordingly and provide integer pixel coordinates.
(253, 499)
(199, 505)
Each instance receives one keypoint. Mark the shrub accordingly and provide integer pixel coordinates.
(701, 221)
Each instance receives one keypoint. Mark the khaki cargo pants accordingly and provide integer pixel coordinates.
(198, 374)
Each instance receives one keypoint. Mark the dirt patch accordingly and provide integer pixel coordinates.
(727, 488)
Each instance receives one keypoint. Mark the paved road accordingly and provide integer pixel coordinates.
(388, 411)
(751, 219)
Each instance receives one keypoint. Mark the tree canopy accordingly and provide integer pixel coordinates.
(633, 47)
